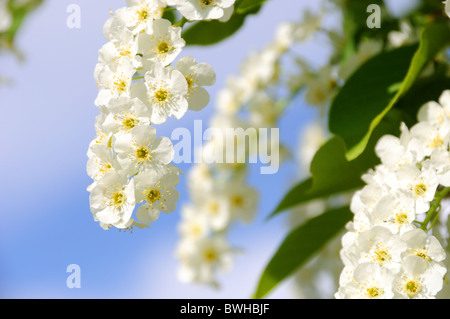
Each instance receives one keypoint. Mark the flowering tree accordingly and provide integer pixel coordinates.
(369, 206)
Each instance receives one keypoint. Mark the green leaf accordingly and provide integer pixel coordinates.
(211, 32)
(367, 96)
(332, 173)
(355, 18)
(300, 245)
(171, 15)
(247, 5)
(214, 31)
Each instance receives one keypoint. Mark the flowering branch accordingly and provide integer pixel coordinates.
(434, 209)
(130, 166)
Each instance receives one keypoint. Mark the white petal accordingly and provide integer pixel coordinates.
(147, 214)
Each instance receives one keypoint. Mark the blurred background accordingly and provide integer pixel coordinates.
(46, 124)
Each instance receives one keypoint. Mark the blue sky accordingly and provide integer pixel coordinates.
(46, 125)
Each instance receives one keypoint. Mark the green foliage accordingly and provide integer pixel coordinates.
(171, 15)
(300, 245)
(248, 5)
(427, 89)
(332, 173)
(355, 19)
(367, 95)
(386, 90)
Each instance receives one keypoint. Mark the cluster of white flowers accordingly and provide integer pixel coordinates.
(138, 88)
(387, 252)
(320, 277)
(220, 193)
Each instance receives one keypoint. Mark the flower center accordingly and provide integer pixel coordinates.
(152, 195)
(237, 200)
(161, 95)
(117, 199)
(374, 292)
(412, 287)
(437, 141)
(125, 50)
(196, 230)
(210, 255)
(422, 253)
(401, 218)
(214, 208)
(420, 189)
(163, 47)
(129, 122)
(381, 256)
(142, 154)
(190, 81)
(206, 2)
(142, 14)
(121, 85)
(105, 167)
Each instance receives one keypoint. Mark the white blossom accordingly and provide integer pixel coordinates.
(164, 92)
(137, 88)
(114, 81)
(139, 15)
(156, 189)
(417, 280)
(193, 225)
(203, 9)
(197, 75)
(162, 45)
(141, 149)
(385, 229)
(369, 281)
(101, 161)
(112, 200)
(202, 258)
(125, 115)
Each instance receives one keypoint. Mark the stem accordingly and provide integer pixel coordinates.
(418, 222)
(181, 22)
(434, 207)
(138, 78)
(435, 219)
